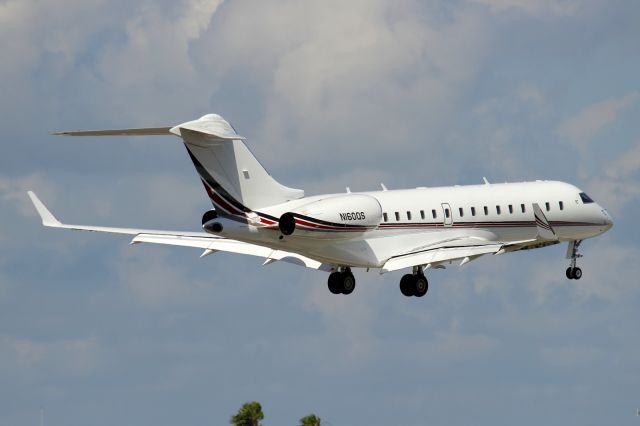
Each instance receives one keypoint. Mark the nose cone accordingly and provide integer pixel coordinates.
(608, 222)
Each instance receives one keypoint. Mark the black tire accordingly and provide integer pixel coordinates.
(348, 283)
(420, 285)
(576, 274)
(407, 285)
(335, 283)
(569, 273)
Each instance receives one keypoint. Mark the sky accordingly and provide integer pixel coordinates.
(329, 94)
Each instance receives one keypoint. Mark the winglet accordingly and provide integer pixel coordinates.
(48, 219)
(545, 231)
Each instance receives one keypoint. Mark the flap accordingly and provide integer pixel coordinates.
(213, 244)
(443, 251)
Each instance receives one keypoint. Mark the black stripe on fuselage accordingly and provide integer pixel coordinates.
(332, 224)
(206, 176)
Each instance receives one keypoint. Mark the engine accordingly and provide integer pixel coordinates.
(209, 215)
(341, 216)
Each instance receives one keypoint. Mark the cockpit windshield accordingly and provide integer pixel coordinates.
(585, 198)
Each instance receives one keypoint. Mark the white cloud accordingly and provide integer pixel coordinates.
(337, 73)
(571, 356)
(149, 275)
(348, 325)
(535, 8)
(580, 129)
(618, 185)
(13, 190)
(609, 274)
(68, 357)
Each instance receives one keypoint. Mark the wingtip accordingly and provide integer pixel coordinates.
(48, 219)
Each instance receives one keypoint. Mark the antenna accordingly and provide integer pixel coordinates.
(384, 188)
(348, 190)
(486, 182)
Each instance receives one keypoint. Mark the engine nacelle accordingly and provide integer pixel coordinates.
(341, 216)
(227, 227)
(209, 215)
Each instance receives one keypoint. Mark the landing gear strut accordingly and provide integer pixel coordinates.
(573, 272)
(342, 281)
(415, 284)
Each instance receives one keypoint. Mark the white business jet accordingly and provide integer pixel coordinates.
(387, 230)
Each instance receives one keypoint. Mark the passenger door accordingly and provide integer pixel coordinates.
(447, 215)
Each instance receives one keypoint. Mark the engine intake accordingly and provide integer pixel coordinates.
(287, 224)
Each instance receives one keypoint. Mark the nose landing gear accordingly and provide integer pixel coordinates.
(573, 272)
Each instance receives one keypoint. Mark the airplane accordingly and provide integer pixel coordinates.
(389, 230)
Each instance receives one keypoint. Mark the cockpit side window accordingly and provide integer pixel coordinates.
(585, 198)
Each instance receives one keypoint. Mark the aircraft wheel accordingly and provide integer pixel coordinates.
(348, 283)
(569, 273)
(420, 285)
(407, 285)
(576, 274)
(335, 282)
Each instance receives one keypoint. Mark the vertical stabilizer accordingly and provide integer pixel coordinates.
(234, 179)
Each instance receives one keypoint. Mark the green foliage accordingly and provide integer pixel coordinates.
(310, 420)
(249, 414)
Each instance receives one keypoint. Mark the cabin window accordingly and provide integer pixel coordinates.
(397, 217)
(422, 214)
(461, 210)
(408, 215)
(510, 209)
(385, 217)
(446, 213)
(523, 208)
(486, 211)
(473, 211)
(498, 210)
(561, 205)
(547, 206)
(434, 213)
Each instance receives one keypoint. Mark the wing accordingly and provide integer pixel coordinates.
(463, 249)
(209, 243)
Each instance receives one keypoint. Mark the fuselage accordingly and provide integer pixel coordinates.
(411, 217)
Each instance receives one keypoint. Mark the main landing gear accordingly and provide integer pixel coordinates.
(415, 284)
(342, 281)
(573, 272)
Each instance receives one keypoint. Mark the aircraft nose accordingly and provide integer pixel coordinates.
(608, 221)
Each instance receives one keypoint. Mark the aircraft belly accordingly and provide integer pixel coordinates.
(357, 253)
(573, 232)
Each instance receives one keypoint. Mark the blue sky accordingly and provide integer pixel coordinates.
(329, 94)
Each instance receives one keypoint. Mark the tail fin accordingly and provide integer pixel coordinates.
(234, 179)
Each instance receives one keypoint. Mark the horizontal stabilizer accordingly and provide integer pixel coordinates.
(144, 131)
(210, 124)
